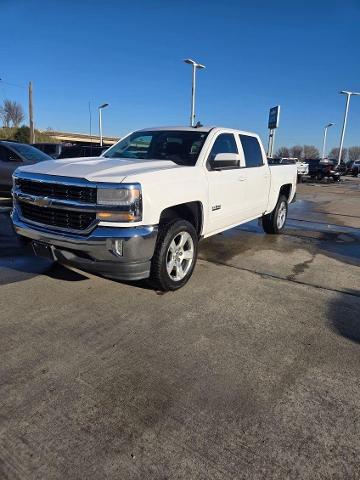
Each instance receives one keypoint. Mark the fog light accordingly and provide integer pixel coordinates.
(117, 247)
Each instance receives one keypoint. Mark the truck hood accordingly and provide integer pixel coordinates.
(98, 169)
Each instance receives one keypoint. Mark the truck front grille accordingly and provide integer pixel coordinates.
(83, 194)
(69, 219)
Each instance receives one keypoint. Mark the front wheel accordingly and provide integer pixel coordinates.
(175, 255)
(274, 222)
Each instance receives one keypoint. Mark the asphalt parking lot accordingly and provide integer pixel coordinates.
(252, 371)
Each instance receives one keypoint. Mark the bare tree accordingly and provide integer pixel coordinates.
(11, 112)
(296, 151)
(282, 152)
(5, 116)
(310, 151)
(354, 154)
(334, 154)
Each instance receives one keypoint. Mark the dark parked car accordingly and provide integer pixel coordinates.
(354, 170)
(349, 166)
(52, 149)
(82, 151)
(281, 161)
(320, 169)
(62, 150)
(12, 155)
(342, 168)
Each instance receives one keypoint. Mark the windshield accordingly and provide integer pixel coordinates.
(29, 152)
(181, 147)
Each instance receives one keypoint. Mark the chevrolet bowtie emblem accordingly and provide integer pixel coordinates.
(42, 202)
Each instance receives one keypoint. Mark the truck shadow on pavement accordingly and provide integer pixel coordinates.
(18, 263)
(344, 315)
(20, 268)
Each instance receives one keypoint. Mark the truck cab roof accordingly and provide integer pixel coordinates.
(203, 128)
(179, 128)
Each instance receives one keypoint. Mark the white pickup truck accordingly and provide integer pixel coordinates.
(140, 209)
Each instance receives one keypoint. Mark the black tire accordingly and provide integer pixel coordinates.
(270, 221)
(160, 279)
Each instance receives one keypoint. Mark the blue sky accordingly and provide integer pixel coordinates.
(129, 54)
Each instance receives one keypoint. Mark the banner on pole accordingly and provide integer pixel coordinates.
(274, 117)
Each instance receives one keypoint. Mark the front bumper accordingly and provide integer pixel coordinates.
(95, 252)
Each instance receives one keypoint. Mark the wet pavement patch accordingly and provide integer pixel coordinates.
(338, 242)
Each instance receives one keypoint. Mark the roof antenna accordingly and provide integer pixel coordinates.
(198, 125)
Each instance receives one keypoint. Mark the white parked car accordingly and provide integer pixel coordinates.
(302, 168)
(140, 209)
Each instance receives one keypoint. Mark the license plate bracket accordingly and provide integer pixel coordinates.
(43, 250)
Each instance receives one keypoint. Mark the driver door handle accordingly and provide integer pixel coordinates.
(242, 178)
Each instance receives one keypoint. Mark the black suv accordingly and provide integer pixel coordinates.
(355, 168)
(82, 151)
(320, 169)
(61, 150)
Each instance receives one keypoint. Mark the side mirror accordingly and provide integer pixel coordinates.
(226, 160)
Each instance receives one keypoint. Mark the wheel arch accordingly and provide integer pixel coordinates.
(193, 212)
(286, 191)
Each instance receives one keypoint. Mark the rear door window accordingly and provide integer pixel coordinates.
(252, 151)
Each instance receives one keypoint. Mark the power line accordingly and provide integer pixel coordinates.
(12, 84)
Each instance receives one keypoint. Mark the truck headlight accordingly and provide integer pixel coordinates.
(127, 200)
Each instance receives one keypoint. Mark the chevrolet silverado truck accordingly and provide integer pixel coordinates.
(140, 209)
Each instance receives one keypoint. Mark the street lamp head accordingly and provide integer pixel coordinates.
(104, 105)
(330, 124)
(195, 64)
(346, 92)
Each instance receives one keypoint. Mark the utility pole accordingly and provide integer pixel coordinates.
(31, 114)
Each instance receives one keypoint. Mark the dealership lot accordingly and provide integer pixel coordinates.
(250, 371)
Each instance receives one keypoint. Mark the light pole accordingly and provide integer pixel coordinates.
(324, 142)
(104, 105)
(195, 66)
(348, 95)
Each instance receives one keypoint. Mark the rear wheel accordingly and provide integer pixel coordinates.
(274, 222)
(175, 255)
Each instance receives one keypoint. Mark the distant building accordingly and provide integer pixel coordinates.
(79, 138)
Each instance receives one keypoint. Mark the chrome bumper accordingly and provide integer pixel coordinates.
(98, 252)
